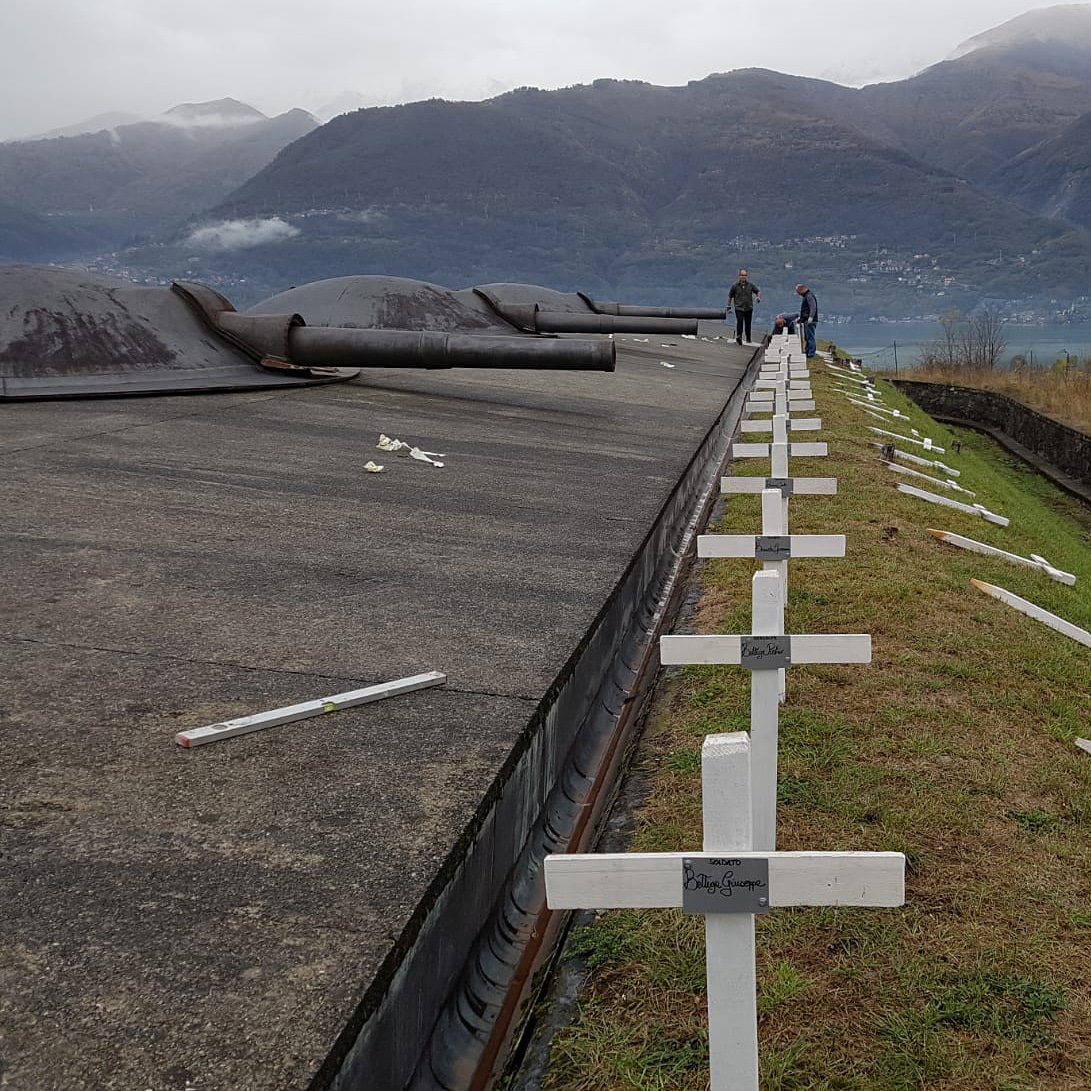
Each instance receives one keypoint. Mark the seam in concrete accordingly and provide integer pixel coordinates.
(54, 442)
(226, 665)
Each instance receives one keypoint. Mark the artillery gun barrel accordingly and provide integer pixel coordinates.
(625, 310)
(326, 346)
(575, 322)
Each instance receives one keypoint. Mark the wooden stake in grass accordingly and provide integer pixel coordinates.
(1073, 632)
(728, 884)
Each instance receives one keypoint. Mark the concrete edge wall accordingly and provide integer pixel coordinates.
(1061, 453)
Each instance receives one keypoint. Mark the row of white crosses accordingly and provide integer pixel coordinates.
(870, 401)
(739, 874)
(855, 375)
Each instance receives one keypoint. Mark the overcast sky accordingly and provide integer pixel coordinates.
(68, 60)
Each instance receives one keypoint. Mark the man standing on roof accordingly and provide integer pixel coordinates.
(743, 295)
(808, 317)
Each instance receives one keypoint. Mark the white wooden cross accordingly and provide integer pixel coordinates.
(785, 367)
(779, 453)
(855, 374)
(782, 422)
(1025, 606)
(764, 651)
(1033, 561)
(780, 403)
(905, 471)
(876, 406)
(979, 510)
(728, 883)
(766, 394)
(787, 486)
(917, 460)
(798, 386)
(924, 442)
(773, 547)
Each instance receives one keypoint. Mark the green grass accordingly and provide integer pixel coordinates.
(955, 746)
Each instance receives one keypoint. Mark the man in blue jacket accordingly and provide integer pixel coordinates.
(808, 317)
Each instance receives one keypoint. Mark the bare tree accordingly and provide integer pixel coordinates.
(976, 343)
(986, 330)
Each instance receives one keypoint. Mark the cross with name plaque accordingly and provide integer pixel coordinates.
(729, 884)
(774, 547)
(765, 651)
(778, 405)
(780, 424)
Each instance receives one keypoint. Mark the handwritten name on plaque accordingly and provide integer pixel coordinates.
(766, 653)
(772, 547)
(725, 885)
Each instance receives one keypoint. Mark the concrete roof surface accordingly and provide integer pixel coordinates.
(210, 918)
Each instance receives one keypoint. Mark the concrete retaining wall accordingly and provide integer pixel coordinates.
(1063, 453)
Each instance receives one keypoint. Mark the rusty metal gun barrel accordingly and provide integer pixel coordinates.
(568, 322)
(626, 310)
(531, 317)
(324, 346)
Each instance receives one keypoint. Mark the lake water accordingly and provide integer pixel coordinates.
(873, 342)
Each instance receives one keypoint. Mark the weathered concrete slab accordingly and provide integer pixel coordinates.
(217, 918)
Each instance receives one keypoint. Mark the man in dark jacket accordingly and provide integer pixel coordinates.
(808, 317)
(743, 295)
(785, 321)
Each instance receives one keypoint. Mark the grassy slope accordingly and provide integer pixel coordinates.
(954, 746)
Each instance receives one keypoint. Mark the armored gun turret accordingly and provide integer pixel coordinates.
(72, 334)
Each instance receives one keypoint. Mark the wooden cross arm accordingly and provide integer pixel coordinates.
(796, 450)
(653, 880)
(768, 394)
(797, 405)
(745, 545)
(801, 486)
(677, 651)
(795, 424)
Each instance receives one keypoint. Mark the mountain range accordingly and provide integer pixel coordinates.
(967, 183)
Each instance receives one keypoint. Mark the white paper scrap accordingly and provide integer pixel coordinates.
(386, 443)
